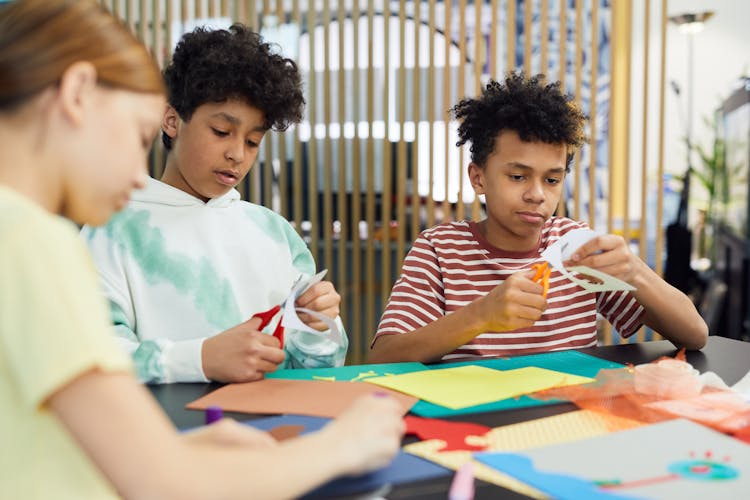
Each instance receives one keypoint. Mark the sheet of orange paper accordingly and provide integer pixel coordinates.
(317, 398)
(567, 427)
(470, 385)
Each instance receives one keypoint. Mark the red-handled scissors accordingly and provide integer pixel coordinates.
(266, 317)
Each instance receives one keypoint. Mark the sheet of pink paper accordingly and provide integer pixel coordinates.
(317, 398)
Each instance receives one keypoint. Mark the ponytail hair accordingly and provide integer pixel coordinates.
(40, 39)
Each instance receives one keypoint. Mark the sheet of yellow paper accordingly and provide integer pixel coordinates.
(471, 385)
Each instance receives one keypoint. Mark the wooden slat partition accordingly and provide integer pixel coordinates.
(401, 147)
(341, 160)
(357, 334)
(642, 229)
(359, 199)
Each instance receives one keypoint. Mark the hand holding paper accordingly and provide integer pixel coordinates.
(599, 263)
(321, 298)
(323, 301)
(368, 434)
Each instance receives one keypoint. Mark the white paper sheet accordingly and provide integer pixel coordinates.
(560, 251)
(290, 319)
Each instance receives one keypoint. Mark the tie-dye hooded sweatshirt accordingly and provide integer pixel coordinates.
(177, 270)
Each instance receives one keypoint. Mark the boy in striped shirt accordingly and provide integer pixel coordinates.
(466, 287)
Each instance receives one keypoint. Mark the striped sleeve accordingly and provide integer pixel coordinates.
(417, 298)
(622, 310)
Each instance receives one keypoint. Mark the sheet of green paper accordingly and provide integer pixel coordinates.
(347, 373)
(471, 385)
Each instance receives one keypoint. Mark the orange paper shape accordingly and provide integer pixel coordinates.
(453, 433)
(317, 398)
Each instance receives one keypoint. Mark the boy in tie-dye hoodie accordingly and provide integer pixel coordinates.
(188, 263)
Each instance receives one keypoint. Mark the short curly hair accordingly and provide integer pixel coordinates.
(534, 110)
(216, 65)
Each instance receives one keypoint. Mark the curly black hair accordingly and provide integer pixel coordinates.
(536, 111)
(216, 65)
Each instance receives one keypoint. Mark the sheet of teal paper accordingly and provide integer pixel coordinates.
(353, 372)
(573, 362)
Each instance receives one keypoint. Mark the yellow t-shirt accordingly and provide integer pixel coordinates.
(54, 327)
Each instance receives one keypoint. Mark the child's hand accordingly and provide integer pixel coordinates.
(241, 354)
(228, 432)
(515, 303)
(609, 254)
(322, 298)
(368, 435)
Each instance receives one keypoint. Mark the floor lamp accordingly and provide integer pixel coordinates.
(690, 23)
(678, 270)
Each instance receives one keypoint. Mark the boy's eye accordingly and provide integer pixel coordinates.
(516, 177)
(253, 144)
(552, 180)
(220, 133)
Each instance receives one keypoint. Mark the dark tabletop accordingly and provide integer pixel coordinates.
(730, 359)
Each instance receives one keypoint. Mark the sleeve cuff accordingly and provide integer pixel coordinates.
(182, 361)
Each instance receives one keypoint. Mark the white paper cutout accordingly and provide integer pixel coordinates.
(564, 248)
(290, 319)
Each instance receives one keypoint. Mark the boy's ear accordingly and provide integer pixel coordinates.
(476, 177)
(170, 122)
(76, 90)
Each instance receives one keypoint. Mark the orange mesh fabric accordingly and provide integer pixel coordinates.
(614, 392)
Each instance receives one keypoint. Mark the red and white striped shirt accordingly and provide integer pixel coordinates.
(452, 264)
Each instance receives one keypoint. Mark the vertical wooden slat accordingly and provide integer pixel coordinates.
(370, 197)
(416, 203)
(446, 216)
(527, 35)
(401, 151)
(578, 81)
(592, 109)
(158, 30)
(460, 206)
(511, 36)
(562, 71)
(327, 152)
(358, 347)
(212, 8)
(476, 208)
(659, 264)
(282, 138)
(385, 289)
(252, 14)
(297, 158)
(268, 146)
(643, 228)
(626, 173)
(544, 37)
(224, 6)
(130, 15)
(626, 161)
(619, 109)
(168, 42)
(342, 162)
(491, 53)
(240, 8)
(143, 22)
(184, 11)
(431, 114)
(312, 150)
